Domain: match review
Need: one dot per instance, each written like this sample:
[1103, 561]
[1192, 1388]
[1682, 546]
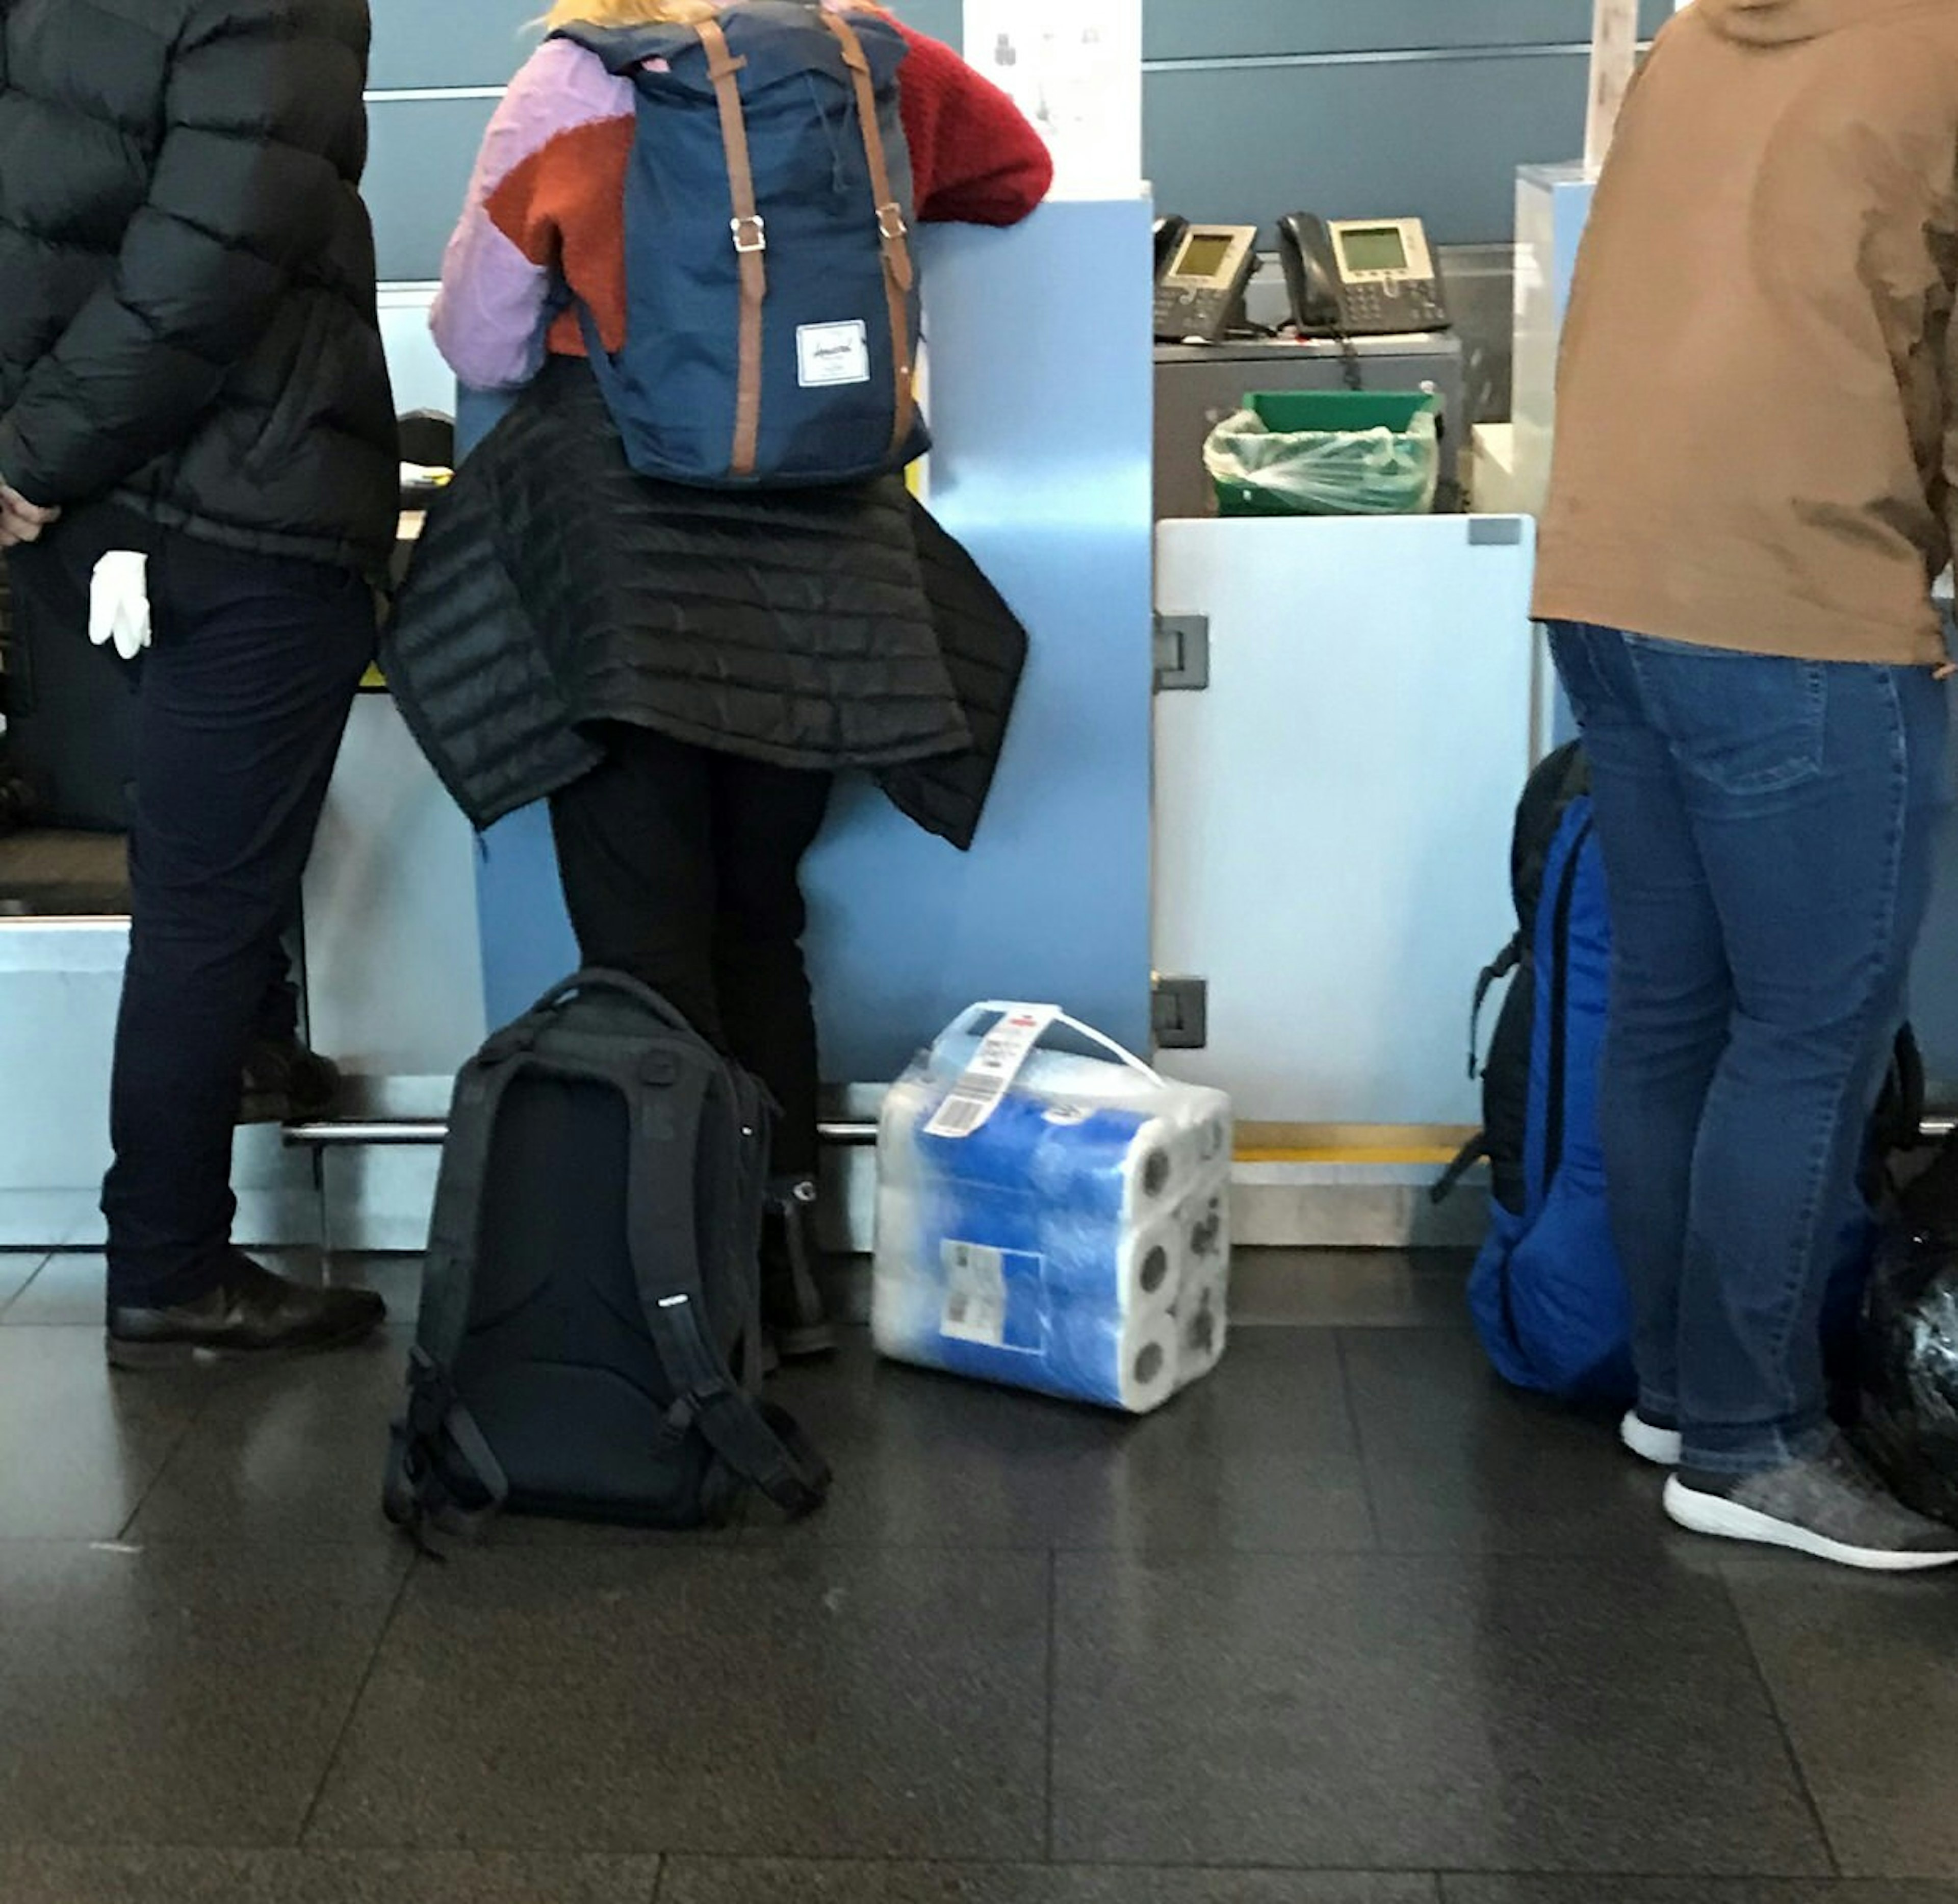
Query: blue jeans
[1768, 828]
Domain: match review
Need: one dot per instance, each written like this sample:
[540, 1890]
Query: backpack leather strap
[751, 242]
[899, 273]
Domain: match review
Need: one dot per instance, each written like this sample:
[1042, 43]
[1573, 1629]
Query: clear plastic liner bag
[1051, 1222]
[1349, 472]
[1907, 1405]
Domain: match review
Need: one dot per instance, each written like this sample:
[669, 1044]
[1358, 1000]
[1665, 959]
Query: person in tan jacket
[1752, 496]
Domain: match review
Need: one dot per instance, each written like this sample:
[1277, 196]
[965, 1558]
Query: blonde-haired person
[684, 672]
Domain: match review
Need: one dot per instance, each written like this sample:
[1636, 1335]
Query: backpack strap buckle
[900, 274]
[751, 234]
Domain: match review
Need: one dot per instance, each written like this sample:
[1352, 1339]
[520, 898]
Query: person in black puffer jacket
[191, 371]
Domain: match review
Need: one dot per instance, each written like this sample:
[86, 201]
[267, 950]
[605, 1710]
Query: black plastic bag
[1907, 1412]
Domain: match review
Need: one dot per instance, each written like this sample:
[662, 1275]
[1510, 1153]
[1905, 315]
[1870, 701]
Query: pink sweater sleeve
[491, 315]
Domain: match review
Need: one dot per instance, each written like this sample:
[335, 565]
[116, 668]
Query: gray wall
[1353, 108]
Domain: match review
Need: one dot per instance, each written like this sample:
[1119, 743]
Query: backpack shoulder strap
[449, 1282]
[760, 1444]
[899, 273]
[435, 1443]
[751, 242]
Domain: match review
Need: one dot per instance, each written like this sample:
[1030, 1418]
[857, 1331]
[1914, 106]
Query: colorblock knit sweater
[547, 200]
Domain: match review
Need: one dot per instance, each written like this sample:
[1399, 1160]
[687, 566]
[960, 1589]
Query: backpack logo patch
[833, 354]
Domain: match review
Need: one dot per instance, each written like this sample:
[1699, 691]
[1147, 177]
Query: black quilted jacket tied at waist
[555, 592]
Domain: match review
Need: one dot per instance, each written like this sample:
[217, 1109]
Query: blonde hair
[651, 13]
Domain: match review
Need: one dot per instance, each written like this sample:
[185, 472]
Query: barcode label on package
[996, 1064]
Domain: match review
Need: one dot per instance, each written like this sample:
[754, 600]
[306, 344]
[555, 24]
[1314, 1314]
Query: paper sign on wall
[1614, 58]
[1075, 67]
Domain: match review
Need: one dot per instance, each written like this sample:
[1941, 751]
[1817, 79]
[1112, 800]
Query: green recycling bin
[1328, 452]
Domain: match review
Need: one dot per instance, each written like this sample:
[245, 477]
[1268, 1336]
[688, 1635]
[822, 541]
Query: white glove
[119, 604]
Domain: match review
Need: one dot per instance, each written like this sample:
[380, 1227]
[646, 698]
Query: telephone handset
[1360, 277]
[1171, 233]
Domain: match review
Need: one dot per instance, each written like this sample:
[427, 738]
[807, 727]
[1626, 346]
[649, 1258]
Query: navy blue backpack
[772, 305]
[1547, 1293]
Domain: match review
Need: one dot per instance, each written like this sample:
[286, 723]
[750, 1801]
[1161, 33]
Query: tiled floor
[1348, 1626]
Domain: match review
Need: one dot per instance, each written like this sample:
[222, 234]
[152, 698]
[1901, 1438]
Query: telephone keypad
[1182, 312]
[1379, 308]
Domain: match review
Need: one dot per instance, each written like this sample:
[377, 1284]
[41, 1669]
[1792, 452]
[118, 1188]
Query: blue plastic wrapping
[1072, 1246]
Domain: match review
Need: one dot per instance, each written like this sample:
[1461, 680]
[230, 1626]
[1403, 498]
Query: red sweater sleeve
[976, 159]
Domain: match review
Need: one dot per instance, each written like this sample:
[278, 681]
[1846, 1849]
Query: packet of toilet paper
[1042, 1215]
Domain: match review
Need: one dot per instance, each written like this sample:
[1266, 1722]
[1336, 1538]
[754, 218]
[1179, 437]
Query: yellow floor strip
[1440, 1158]
[1409, 1146]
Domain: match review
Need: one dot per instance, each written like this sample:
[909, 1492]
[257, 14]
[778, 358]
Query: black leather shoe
[252, 1314]
[792, 1309]
[285, 1083]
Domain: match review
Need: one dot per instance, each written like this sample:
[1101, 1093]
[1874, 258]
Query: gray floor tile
[51, 1874]
[66, 1292]
[1368, 1712]
[708, 1881]
[294, 1451]
[1696, 1890]
[17, 1271]
[1260, 1455]
[1350, 1288]
[79, 1447]
[1456, 1460]
[176, 1697]
[1865, 1673]
[746, 1701]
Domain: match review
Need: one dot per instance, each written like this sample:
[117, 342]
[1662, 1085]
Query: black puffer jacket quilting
[187, 299]
[555, 590]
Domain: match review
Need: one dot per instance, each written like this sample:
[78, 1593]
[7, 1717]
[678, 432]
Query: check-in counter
[1310, 825]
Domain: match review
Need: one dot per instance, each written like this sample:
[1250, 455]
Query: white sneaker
[1662, 1446]
[1830, 1507]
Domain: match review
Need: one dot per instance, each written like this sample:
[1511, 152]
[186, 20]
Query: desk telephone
[1346, 277]
[1200, 273]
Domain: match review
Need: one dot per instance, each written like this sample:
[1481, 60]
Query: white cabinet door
[1333, 814]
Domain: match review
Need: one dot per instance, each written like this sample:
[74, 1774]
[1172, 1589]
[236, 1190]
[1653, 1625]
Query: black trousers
[243, 699]
[681, 867]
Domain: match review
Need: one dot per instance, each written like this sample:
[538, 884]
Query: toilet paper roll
[1202, 1325]
[1133, 1364]
[1103, 1266]
[1203, 1221]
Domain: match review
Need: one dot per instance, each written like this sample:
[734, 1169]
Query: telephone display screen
[1380, 248]
[1203, 256]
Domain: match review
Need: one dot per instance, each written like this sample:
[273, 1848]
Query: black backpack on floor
[593, 1278]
